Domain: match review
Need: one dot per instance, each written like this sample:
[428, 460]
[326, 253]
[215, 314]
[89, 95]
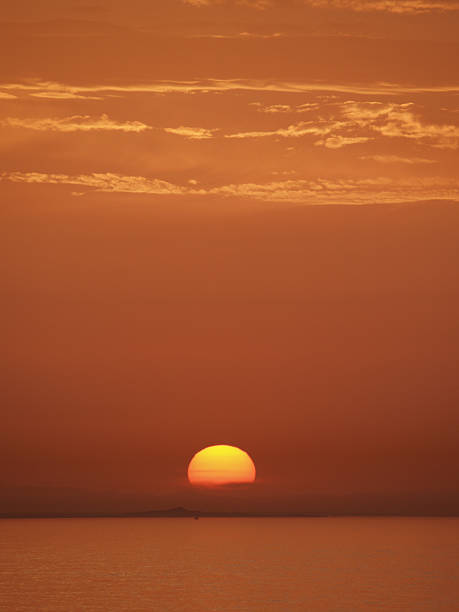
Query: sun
[219, 465]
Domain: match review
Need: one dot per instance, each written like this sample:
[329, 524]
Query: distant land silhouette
[178, 512]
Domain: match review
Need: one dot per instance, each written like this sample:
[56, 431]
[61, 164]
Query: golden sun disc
[221, 464]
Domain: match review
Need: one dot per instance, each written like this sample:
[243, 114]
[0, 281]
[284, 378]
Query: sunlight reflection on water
[227, 565]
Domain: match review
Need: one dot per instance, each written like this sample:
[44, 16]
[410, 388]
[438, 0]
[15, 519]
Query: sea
[229, 564]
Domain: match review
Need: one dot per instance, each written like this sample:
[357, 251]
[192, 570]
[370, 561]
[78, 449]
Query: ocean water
[237, 565]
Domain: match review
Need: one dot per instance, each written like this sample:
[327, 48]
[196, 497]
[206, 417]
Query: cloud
[399, 121]
[257, 4]
[347, 123]
[322, 127]
[391, 6]
[309, 192]
[62, 90]
[192, 133]
[284, 108]
[296, 130]
[75, 123]
[273, 109]
[105, 182]
[86, 123]
[360, 122]
[337, 142]
[199, 3]
[395, 159]
[240, 35]
[304, 108]
[345, 191]
[7, 96]
[62, 95]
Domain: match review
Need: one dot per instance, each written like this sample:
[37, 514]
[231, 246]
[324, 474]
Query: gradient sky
[230, 222]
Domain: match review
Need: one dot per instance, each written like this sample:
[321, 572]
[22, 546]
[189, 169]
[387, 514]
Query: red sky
[230, 222]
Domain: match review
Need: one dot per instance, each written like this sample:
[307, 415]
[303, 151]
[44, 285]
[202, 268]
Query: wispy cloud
[6, 96]
[321, 127]
[296, 130]
[199, 3]
[353, 122]
[75, 123]
[275, 108]
[87, 123]
[105, 182]
[193, 133]
[240, 35]
[96, 91]
[257, 4]
[309, 192]
[284, 108]
[62, 95]
[391, 6]
[399, 121]
[339, 124]
[396, 159]
[338, 142]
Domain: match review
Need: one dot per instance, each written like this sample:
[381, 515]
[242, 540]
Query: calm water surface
[238, 565]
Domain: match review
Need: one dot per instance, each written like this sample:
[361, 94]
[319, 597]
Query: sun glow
[219, 465]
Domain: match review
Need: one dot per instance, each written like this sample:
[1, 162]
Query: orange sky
[185, 265]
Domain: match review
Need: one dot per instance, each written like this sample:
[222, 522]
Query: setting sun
[221, 464]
